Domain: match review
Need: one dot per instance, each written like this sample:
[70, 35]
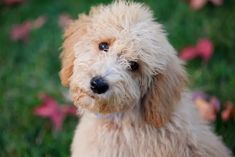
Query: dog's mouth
[79, 94]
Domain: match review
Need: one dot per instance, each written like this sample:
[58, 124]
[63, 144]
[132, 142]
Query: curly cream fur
[146, 113]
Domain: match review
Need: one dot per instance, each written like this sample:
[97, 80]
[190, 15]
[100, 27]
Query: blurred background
[36, 118]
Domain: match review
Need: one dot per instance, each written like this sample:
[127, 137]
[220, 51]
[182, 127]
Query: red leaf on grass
[52, 110]
[204, 49]
[13, 2]
[206, 105]
[64, 20]
[214, 101]
[39, 22]
[228, 112]
[198, 4]
[21, 32]
[188, 53]
[217, 2]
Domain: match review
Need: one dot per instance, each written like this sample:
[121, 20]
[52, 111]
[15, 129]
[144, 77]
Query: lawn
[31, 67]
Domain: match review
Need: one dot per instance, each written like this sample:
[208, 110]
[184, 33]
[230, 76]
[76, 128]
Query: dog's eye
[133, 66]
[104, 46]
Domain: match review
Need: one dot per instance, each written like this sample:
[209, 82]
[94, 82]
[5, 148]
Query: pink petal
[21, 32]
[197, 4]
[205, 49]
[188, 53]
[64, 20]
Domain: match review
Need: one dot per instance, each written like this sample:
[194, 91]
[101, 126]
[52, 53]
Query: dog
[130, 88]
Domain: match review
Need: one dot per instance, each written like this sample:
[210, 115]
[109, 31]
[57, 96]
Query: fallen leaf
[52, 110]
[21, 32]
[64, 20]
[13, 2]
[198, 4]
[206, 110]
[204, 49]
[188, 53]
[39, 22]
[206, 105]
[217, 2]
[199, 94]
[215, 103]
[228, 112]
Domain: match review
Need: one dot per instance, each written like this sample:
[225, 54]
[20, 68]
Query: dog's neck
[116, 119]
[115, 115]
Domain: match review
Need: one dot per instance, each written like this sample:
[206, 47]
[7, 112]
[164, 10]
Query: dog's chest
[111, 140]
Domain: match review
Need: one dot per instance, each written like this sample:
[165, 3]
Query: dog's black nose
[99, 85]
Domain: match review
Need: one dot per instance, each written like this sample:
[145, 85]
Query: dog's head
[117, 58]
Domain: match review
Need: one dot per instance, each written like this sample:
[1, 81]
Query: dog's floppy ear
[72, 34]
[164, 92]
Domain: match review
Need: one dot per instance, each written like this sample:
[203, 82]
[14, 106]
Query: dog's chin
[92, 105]
[96, 105]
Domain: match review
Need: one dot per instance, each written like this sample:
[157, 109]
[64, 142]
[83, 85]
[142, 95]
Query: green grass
[27, 69]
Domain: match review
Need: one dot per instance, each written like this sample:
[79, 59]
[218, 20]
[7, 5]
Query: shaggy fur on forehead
[144, 113]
